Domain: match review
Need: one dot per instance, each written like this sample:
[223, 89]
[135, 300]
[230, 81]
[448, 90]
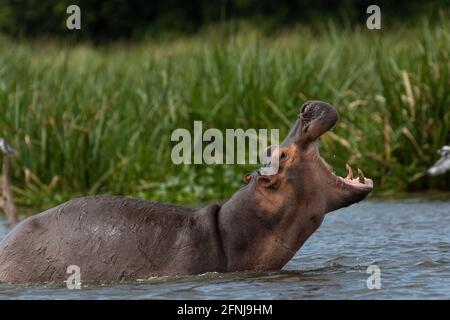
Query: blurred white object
[443, 164]
[6, 148]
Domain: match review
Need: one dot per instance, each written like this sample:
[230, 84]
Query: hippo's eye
[283, 155]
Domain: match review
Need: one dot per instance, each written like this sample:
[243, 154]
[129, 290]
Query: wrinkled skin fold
[261, 227]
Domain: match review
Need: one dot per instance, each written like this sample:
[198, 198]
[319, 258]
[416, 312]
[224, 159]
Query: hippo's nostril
[305, 108]
[308, 114]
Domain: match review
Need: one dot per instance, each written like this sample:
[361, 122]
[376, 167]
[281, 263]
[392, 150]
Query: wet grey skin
[443, 164]
[261, 227]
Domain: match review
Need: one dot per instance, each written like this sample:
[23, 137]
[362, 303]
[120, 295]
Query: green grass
[91, 120]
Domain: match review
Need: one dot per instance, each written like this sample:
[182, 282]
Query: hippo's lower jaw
[350, 188]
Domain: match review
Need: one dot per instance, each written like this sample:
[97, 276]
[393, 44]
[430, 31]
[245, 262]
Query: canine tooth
[349, 172]
[360, 176]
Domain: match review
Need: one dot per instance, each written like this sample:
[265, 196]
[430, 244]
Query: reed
[90, 120]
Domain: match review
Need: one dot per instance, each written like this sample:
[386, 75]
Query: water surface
[409, 240]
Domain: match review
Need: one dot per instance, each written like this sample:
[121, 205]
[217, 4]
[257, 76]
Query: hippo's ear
[248, 177]
[269, 182]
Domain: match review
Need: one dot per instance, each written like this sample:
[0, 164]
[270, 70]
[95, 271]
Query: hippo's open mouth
[351, 182]
[316, 118]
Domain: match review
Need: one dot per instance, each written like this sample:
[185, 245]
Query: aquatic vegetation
[90, 120]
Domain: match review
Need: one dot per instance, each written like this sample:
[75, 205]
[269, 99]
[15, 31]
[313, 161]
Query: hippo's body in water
[113, 238]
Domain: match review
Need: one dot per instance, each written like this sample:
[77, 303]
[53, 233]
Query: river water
[408, 240]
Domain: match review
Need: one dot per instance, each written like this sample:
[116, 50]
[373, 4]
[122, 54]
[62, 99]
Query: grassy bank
[88, 120]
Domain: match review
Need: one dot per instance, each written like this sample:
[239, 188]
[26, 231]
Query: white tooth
[349, 172]
[360, 176]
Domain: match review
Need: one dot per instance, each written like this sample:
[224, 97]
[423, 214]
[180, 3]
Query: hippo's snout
[318, 111]
[315, 118]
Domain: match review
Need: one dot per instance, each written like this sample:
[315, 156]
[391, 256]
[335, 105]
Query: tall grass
[90, 120]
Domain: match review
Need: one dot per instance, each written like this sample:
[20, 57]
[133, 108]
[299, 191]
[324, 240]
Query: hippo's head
[266, 222]
[296, 179]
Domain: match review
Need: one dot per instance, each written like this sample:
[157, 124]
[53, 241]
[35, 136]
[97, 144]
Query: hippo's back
[108, 237]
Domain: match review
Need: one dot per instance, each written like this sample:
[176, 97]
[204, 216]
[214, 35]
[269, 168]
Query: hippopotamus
[261, 227]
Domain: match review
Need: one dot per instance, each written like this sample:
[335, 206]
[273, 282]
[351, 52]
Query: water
[408, 239]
